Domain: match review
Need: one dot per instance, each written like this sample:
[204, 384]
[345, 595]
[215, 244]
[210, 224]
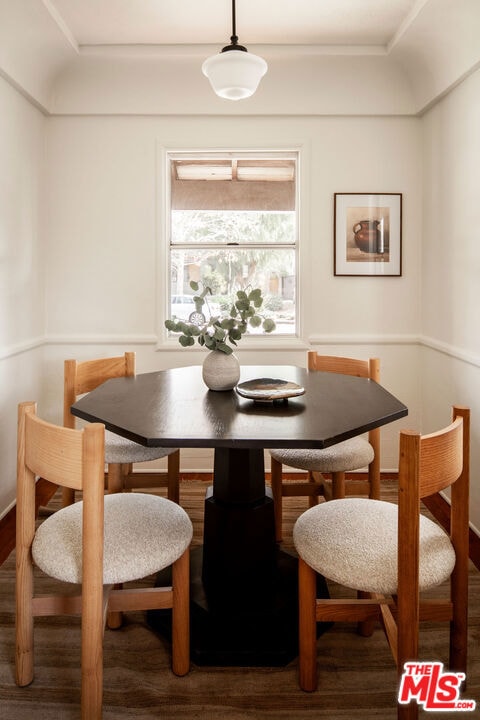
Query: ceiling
[279, 22]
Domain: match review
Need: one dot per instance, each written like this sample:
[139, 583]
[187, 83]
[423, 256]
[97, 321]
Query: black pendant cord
[234, 38]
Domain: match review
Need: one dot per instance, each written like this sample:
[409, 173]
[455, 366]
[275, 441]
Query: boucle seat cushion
[120, 450]
[353, 541]
[348, 455]
[143, 534]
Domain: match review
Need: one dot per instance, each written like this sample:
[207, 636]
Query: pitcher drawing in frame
[368, 234]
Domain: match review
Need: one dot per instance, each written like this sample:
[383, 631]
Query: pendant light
[234, 73]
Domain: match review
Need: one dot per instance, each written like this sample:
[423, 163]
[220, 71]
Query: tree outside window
[233, 224]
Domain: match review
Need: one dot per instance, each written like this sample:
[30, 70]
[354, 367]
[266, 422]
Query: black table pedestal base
[261, 632]
[244, 588]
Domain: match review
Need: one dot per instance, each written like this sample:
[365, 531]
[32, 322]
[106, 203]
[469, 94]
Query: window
[233, 224]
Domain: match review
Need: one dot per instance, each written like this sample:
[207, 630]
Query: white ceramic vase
[220, 371]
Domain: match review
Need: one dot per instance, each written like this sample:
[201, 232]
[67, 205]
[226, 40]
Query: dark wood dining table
[243, 586]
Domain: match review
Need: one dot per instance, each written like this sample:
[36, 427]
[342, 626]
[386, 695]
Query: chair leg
[276, 483]
[181, 615]
[115, 478]
[307, 640]
[374, 467]
[459, 623]
[458, 640]
[127, 471]
[92, 657]
[173, 480]
[68, 497]
[24, 620]
[115, 618]
[338, 485]
[116, 474]
[312, 478]
[365, 628]
[408, 620]
[407, 712]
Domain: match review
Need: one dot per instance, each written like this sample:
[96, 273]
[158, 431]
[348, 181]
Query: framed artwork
[367, 234]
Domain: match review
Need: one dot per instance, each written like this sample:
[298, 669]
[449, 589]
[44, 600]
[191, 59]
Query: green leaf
[268, 325]
[227, 327]
[186, 341]
[199, 303]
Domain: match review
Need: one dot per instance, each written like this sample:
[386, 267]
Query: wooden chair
[358, 543]
[96, 543]
[352, 454]
[120, 453]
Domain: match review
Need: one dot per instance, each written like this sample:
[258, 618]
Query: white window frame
[165, 341]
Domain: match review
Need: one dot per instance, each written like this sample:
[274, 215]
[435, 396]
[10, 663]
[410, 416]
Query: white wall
[451, 264]
[21, 270]
[166, 81]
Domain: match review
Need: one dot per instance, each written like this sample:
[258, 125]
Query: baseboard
[44, 491]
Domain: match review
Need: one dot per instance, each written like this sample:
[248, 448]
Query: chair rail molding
[401, 339]
[280, 343]
[451, 350]
[380, 339]
[12, 350]
[100, 339]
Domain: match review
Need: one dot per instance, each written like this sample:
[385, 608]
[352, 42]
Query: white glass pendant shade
[234, 74]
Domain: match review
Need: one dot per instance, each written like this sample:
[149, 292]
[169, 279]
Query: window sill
[258, 344]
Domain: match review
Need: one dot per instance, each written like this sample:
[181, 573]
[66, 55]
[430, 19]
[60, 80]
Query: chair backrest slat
[439, 461]
[53, 455]
[340, 365]
[441, 458]
[63, 456]
[84, 376]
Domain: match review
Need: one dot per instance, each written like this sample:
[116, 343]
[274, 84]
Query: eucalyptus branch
[221, 332]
